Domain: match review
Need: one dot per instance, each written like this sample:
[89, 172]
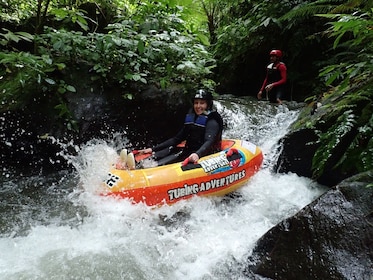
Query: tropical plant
[151, 45]
[248, 30]
[351, 115]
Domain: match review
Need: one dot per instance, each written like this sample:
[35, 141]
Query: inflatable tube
[214, 175]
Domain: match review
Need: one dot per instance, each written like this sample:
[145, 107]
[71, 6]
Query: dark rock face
[155, 114]
[296, 155]
[327, 142]
[297, 152]
[332, 238]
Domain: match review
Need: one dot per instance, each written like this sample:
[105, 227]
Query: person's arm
[168, 143]
[264, 83]
[259, 95]
[212, 131]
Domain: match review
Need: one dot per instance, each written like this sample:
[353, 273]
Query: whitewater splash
[85, 236]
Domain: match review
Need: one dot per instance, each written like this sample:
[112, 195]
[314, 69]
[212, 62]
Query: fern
[307, 10]
[359, 154]
[332, 140]
[346, 126]
[345, 130]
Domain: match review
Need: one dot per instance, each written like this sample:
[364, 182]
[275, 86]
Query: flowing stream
[55, 227]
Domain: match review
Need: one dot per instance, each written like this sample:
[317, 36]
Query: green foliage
[360, 151]
[21, 74]
[247, 28]
[329, 142]
[125, 55]
[16, 10]
[16, 37]
[307, 9]
[26, 77]
[350, 116]
[72, 16]
[356, 49]
[228, 48]
[151, 54]
[153, 45]
[345, 131]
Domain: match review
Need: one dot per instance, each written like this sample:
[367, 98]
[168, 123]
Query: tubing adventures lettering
[214, 163]
[195, 189]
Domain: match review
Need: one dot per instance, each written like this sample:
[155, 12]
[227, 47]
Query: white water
[202, 238]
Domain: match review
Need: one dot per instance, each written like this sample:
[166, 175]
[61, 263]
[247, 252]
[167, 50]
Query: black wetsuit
[276, 75]
[202, 134]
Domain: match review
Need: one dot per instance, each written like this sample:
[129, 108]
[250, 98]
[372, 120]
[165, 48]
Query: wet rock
[177, 220]
[327, 142]
[297, 152]
[29, 137]
[332, 238]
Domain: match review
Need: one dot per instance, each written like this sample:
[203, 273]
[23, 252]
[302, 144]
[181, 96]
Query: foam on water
[189, 240]
[202, 238]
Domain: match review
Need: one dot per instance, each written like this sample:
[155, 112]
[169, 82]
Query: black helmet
[205, 95]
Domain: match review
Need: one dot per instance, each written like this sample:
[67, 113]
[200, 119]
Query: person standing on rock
[275, 80]
[202, 132]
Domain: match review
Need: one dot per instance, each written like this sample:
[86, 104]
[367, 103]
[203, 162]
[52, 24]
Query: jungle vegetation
[218, 44]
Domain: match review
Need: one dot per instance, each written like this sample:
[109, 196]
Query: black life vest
[195, 129]
[274, 74]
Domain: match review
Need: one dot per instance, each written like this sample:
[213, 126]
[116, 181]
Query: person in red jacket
[274, 82]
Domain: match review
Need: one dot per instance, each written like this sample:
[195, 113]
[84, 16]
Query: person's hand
[193, 158]
[269, 87]
[259, 95]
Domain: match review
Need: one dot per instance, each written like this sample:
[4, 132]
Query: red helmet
[277, 53]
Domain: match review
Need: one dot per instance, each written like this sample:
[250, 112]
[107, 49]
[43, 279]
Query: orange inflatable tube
[214, 175]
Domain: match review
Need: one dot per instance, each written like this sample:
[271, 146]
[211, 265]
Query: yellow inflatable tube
[213, 175]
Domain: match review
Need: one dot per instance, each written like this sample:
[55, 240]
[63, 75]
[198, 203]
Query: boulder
[297, 150]
[320, 129]
[331, 238]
